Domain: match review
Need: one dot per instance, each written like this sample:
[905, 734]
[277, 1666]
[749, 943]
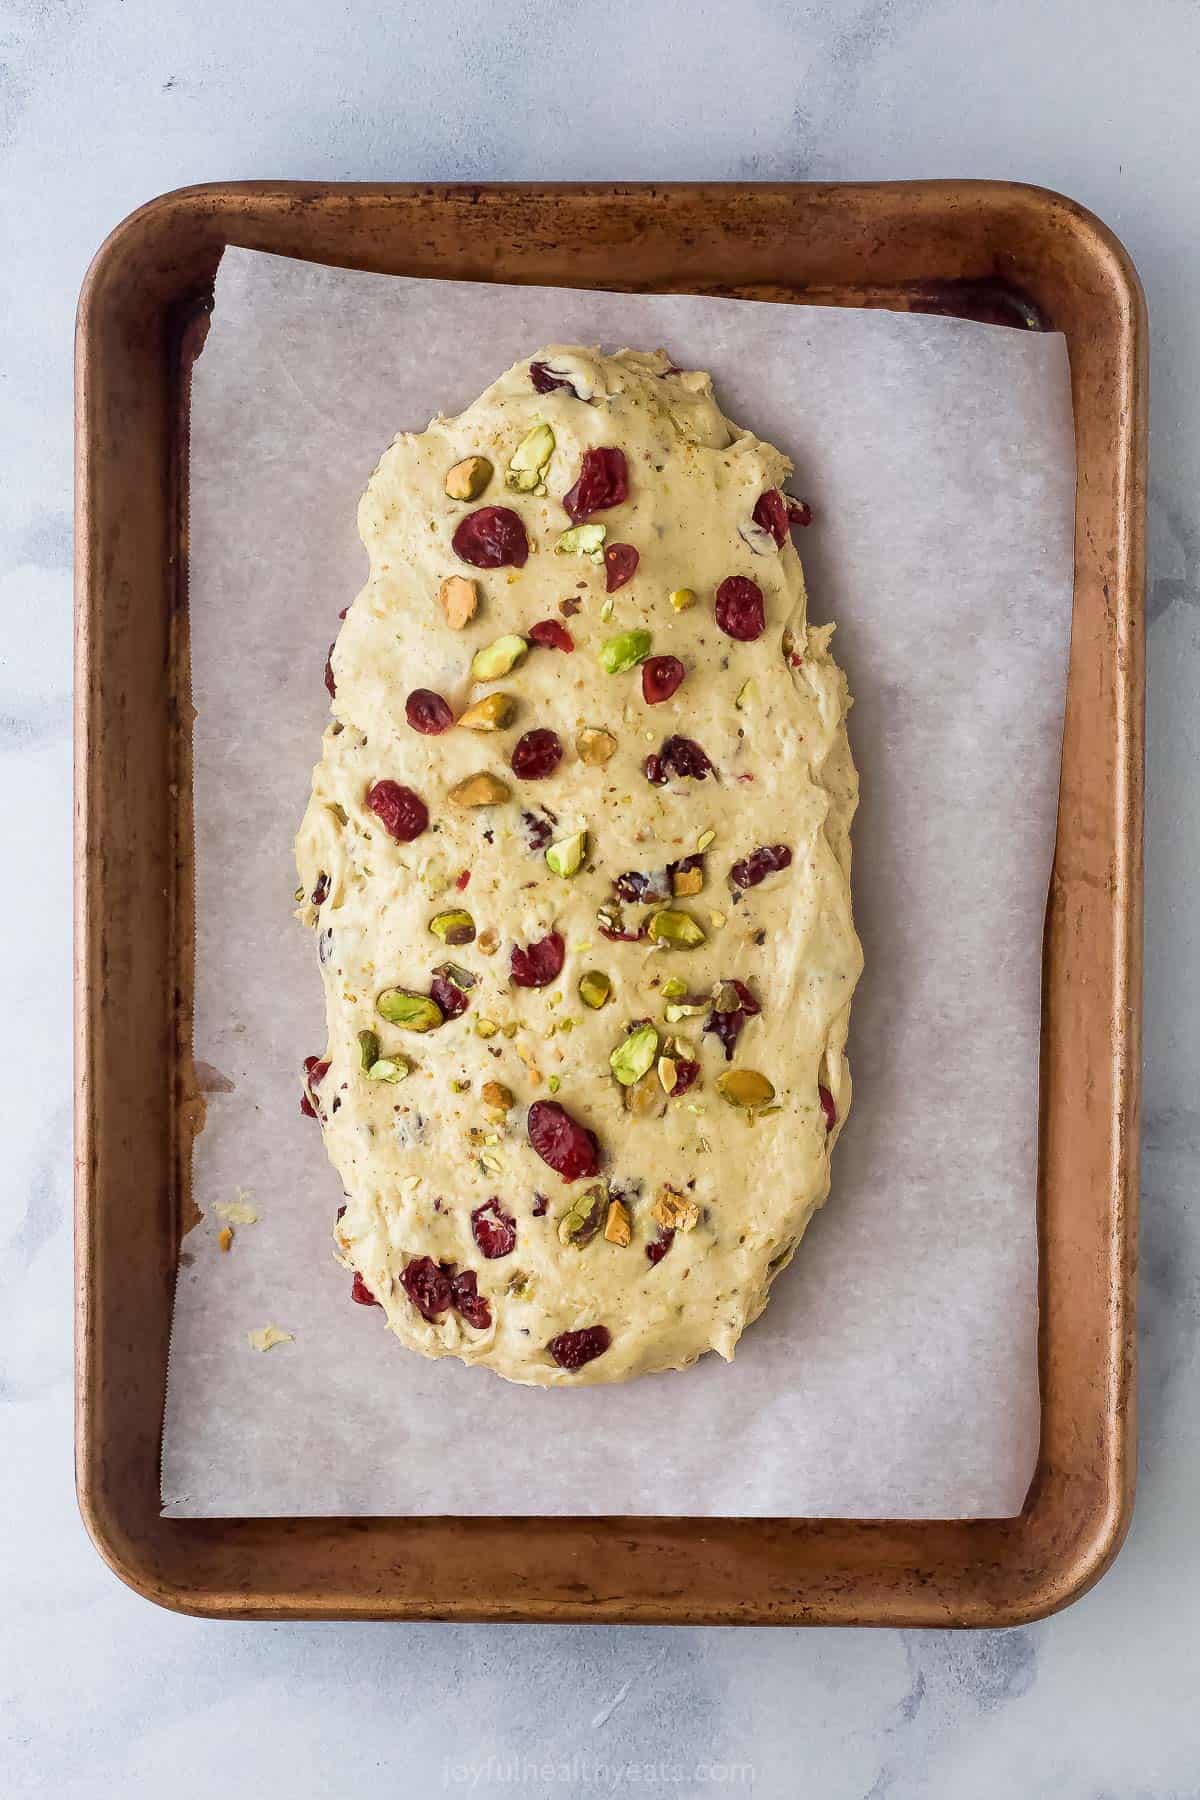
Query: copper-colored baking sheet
[1012, 254]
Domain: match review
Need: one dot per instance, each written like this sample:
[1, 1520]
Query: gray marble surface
[106, 102]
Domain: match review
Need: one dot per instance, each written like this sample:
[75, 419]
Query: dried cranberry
[538, 829]
[320, 893]
[603, 482]
[771, 513]
[462, 878]
[661, 676]
[679, 756]
[612, 927]
[361, 1292]
[307, 1109]
[620, 566]
[316, 1068]
[539, 964]
[739, 609]
[468, 1301]
[536, 754]
[767, 860]
[428, 1287]
[636, 885]
[571, 1349]
[492, 538]
[726, 1027]
[449, 997]
[494, 1231]
[403, 814]
[654, 772]
[657, 1249]
[427, 712]
[568, 1147]
[330, 683]
[551, 635]
[545, 380]
[541, 1205]
[799, 512]
[686, 1075]
[828, 1107]
[341, 1212]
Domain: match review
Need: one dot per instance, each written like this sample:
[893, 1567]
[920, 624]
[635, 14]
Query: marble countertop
[104, 103]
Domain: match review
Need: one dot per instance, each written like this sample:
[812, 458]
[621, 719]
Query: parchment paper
[895, 1369]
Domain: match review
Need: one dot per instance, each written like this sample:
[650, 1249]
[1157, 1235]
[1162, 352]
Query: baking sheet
[894, 1373]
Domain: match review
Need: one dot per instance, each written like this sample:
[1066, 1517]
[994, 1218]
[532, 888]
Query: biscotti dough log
[584, 927]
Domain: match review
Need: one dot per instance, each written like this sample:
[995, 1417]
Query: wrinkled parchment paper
[894, 1372]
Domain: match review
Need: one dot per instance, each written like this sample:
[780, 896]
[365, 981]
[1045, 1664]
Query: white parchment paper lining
[894, 1372]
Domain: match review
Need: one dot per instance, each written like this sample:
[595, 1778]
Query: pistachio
[645, 1099]
[458, 598]
[492, 713]
[582, 540]
[368, 1048]
[489, 943]
[565, 858]
[666, 1074]
[679, 929]
[595, 989]
[483, 789]
[389, 1068]
[486, 1028]
[415, 1012]
[617, 1226]
[745, 695]
[462, 978]
[494, 1093]
[453, 927]
[745, 1088]
[496, 659]
[579, 1225]
[682, 1009]
[674, 1211]
[625, 650]
[686, 881]
[468, 478]
[530, 460]
[682, 598]
[727, 999]
[675, 988]
[702, 842]
[634, 1056]
[593, 745]
[554, 1084]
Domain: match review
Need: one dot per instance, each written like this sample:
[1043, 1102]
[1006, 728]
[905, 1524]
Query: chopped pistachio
[745, 694]
[485, 1028]
[634, 1056]
[491, 1165]
[298, 895]
[554, 1084]
[494, 1093]
[666, 1074]
[745, 1088]
[674, 1211]
[702, 842]
[607, 608]
[685, 882]
[727, 999]
[645, 1099]
[462, 978]
[460, 1087]
[625, 650]
[414, 1012]
[389, 1068]
[617, 1227]
[677, 928]
[565, 858]
[530, 460]
[496, 659]
[716, 919]
[682, 598]
[580, 1223]
[458, 598]
[593, 745]
[595, 989]
[582, 540]
[509, 1028]
[681, 1009]
[488, 942]
[492, 713]
[455, 926]
[368, 1048]
[483, 789]
[468, 478]
[675, 988]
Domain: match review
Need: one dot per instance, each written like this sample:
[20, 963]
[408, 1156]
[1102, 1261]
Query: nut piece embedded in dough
[582, 540]
[468, 478]
[530, 460]
[492, 713]
[595, 989]
[676, 928]
[496, 659]
[685, 882]
[368, 1048]
[483, 789]
[579, 1225]
[494, 1093]
[458, 598]
[617, 1227]
[593, 745]
[566, 857]
[453, 927]
[645, 1099]
[745, 1088]
[389, 1068]
[634, 1056]
[622, 652]
[683, 598]
[412, 1012]
[674, 1211]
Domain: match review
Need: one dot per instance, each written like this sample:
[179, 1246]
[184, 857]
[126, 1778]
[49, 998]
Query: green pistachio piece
[415, 1012]
[674, 989]
[625, 650]
[462, 978]
[453, 927]
[530, 460]
[635, 1056]
[727, 999]
[582, 540]
[496, 659]
[468, 479]
[679, 1009]
[683, 598]
[580, 1224]
[677, 928]
[368, 1048]
[595, 989]
[566, 857]
[745, 1088]
[389, 1068]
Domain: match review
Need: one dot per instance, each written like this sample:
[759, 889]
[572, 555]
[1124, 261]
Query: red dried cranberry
[551, 635]
[568, 1147]
[571, 1349]
[828, 1107]
[449, 997]
[603, 482]
[657, 1249]
[316, 1068]
[771, 513]
[461, 880]
[541, 1205]
[767, 860]
[320, 893]
[636, 885]
[799, 512]
[661, 676]
[494, 1231]
[427, 712]
[361, 1292]
[654, 772]
[545, 380]
[428, 1287]
[612, 927]
[307, 1109]
[536, 754]
[468, 1302]
[341, 1212]
[539, 964]
[330, 683]
[403, 814]
[620, 566]
[492, 538]
[686, 1075]
[538, 829]
[739, 609]
[678, 756]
